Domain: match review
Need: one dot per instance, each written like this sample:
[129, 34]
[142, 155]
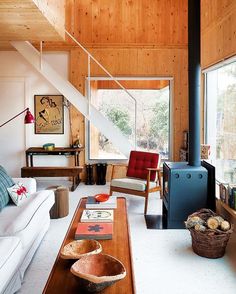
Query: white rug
[163, 259]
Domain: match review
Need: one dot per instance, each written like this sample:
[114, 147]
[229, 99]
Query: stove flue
[185, 184]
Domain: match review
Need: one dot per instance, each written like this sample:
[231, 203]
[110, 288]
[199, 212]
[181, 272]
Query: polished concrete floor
[163, 260]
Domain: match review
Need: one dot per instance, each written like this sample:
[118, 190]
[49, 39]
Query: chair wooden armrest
[153, 169]
[158, 170]
[119, 164]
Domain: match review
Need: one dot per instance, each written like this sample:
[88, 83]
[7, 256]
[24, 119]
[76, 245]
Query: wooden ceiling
[31, 20]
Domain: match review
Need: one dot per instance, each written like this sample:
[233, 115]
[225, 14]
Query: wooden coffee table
[61, 280]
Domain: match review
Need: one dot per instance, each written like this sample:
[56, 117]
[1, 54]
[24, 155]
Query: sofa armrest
[29, 183]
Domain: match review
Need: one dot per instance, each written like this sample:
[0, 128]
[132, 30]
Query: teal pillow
[5, 182]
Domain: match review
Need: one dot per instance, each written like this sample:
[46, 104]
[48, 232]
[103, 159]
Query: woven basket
[210, 243]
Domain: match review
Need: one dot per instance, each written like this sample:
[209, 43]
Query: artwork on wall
[49, 114]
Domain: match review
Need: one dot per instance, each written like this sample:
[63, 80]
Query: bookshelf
[227, 212]
[227, 208]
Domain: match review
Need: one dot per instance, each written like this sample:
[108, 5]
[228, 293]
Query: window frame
[130, 78]
[206, 71]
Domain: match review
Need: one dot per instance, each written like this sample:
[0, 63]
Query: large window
[152, 120]
[221, 120]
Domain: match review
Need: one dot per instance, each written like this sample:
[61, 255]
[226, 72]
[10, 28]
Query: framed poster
[49, 114]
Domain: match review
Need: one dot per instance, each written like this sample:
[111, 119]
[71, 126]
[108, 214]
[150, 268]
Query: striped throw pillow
[5, 182]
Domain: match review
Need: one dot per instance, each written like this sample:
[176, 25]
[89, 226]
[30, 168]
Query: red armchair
[143, 176]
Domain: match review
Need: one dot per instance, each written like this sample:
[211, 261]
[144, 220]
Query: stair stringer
[107, 128]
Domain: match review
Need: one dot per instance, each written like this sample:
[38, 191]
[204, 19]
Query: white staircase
[74, 96]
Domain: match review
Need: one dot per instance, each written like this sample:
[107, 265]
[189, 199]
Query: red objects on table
[102, 197]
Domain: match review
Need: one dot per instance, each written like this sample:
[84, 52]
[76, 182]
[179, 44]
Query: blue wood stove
[184, 191]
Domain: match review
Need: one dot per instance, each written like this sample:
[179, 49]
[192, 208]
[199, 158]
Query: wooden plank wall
[142, 62]
[218, 31]
[128, 22]
[133, 38]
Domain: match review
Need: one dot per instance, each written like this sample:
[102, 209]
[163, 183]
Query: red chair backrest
[139, 161]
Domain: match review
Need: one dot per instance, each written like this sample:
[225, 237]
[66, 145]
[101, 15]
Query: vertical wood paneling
[78, 120]
[94, 131]
[129, 21]
[218, 31]
[134, 38]
[142, 62]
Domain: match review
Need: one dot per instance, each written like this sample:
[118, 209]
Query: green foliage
[159, 124]
[120, 118]
[226, 108]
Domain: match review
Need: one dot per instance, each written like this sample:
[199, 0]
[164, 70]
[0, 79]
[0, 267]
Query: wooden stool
[61, 205]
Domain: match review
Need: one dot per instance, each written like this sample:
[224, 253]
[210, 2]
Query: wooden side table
[61, 205]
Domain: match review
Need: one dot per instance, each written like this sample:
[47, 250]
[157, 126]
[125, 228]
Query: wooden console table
[53, 171]
[31, 152]
[61, 280]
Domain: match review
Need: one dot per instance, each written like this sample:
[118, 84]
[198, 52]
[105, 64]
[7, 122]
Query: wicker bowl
[96, 272]
[210, 243]
[79, 248]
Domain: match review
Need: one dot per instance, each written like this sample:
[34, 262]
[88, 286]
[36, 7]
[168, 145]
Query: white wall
[22, 82]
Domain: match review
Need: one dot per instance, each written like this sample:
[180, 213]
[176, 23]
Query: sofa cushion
[5, 182]
[18, 193]
[133, 184]
[14, 219]
[29, 183]
[10, 258]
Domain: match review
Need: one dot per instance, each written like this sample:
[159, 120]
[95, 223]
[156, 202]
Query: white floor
[163, 259]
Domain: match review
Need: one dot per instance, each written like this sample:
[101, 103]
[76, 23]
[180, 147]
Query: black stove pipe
[194, 81]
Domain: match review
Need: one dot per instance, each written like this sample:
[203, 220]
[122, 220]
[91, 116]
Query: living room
[129, 56]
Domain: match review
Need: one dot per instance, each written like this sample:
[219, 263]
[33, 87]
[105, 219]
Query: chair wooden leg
[110, 191]
[161, 194]
[159, 180]
[146, 204]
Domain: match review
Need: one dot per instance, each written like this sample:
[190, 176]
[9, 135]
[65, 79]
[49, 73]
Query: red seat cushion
[139, 161]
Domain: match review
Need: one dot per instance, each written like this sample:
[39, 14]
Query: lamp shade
[29, 118]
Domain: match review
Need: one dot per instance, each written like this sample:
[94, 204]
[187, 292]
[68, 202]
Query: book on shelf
[111, 203]
[97, 231]
[224, 192]
[232, 196]
[97, 215]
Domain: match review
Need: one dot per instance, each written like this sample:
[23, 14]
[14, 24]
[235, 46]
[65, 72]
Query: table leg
[75, 157]
[31, 160]
[77, 164]
[27, 160]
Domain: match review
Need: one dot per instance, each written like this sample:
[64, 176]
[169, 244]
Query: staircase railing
[90, 56]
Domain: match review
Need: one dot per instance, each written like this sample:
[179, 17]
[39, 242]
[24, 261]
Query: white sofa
[22, 228]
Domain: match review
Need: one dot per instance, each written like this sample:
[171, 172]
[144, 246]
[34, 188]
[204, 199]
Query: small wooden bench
[53, 171]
